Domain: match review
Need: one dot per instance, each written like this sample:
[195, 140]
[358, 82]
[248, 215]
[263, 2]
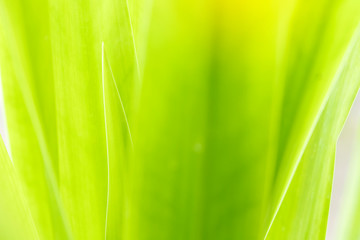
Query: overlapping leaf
[177, 119]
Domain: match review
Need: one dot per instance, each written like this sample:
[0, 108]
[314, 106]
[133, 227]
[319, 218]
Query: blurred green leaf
[307, 199]
[16, 220]
[177, 119]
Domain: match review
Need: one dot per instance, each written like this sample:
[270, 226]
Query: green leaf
[308, 73]
[16, 220]
[178, 119]
[29, 108]
[119, 149]
[304, 210]
[200, 166]
[76, 55]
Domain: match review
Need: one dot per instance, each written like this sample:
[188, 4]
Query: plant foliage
[154, 119]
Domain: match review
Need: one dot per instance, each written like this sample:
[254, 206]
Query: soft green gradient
[174, 119]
